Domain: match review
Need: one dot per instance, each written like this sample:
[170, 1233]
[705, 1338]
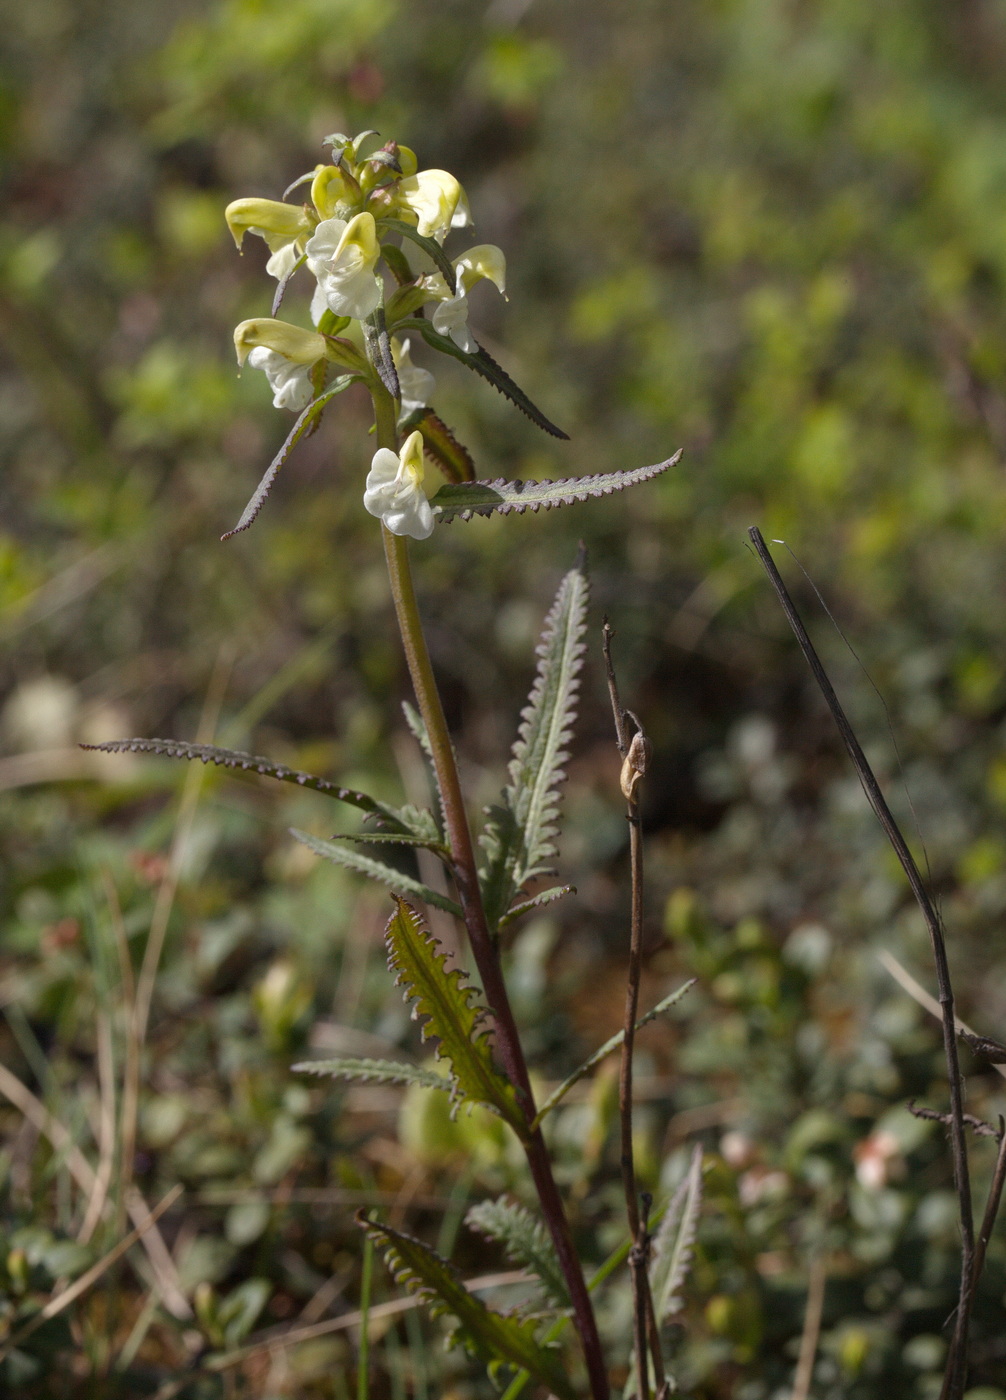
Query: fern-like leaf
[613, 1043]
[526, 1242]
[517, 911]
[376, 870]
[491, 1336]
[374, 1071]
[445, 1006]
[308, 420]
[462, 499]
[519, 837]
[675, 1241]
[400, 819]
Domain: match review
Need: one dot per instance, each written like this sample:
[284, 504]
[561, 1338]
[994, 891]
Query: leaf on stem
[610, 1045]
[674, 1242]
[375, 870]
[519, 837]
[393, 817]
[430, 247]
[488, 1335]
[517, 911]
[462, 500]
[482, 363]
[526, 1242]
[307, 420]
[375, 331]
[451, 456]
[375, 1071]
[446, 1007]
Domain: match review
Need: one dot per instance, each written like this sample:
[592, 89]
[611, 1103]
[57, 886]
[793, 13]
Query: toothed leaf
[463, 499]
[375, 870]
[675, 1241]
[375, 331]
[488, 1335]
[482, 363]
[446, 1007]
[307, 420]
[430, 247]
[400, 818]
[525, 1241]
[519, 837]
[613, 1043]
[374, 1071]
[517, 911]
[417, 728]
[451, 456]
[394, 838]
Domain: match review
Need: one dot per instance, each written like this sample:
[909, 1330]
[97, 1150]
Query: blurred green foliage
[774, 234]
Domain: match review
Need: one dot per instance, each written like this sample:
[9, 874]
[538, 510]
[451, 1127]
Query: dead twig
[954, 1376]
[811, 1329]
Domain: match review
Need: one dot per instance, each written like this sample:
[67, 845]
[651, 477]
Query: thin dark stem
[634, 756]
[953, 1381]
[483, 946]
[991, 1207]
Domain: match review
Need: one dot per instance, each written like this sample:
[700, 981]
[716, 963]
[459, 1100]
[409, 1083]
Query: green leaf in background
[675, 1240]
[375, 870]
[489, 1335]
[308, 420]
[374, 1071]
[462, 500]
[525, 1241]
[519, 837]
[517, 911]
[444, 1006]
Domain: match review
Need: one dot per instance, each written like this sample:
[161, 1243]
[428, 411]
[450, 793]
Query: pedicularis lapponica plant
[368, 247]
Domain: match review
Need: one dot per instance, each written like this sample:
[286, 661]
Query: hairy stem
[470, 896]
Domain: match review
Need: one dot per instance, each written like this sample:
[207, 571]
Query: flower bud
[328, 190]
[300, 346]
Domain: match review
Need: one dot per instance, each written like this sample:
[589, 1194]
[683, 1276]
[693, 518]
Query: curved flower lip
[298, 346]
[275, 222]
[343, 257]
[394, 490]
[450, 316]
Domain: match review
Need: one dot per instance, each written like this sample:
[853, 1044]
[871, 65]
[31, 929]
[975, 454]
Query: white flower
[343, 256]
[450, 317]
[394, 490]
[417, 385]
[290, 383]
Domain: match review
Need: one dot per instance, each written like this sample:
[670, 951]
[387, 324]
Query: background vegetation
[771, 233]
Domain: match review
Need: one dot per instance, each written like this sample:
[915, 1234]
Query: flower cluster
[371, 238]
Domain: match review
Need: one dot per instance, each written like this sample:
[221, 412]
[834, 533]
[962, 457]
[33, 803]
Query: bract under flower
[394, 490]
[343, 256]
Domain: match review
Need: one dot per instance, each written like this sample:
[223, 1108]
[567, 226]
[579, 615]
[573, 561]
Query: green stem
[483, 946]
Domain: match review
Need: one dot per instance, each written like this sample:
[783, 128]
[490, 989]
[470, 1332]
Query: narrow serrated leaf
[376, 870]
[674, 1242]
[613, 1043]
[417, 728]
[446, 1006]
[283, 283]
[451, 456]
[375, 1071]
[517, 911]
[489, 1335]
[463, 499]
[375, 331]
[482, 363]
[519, 837]
[394, 838]
[430, 247]
[252, 763]
[308, 419]
[525, 1241]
